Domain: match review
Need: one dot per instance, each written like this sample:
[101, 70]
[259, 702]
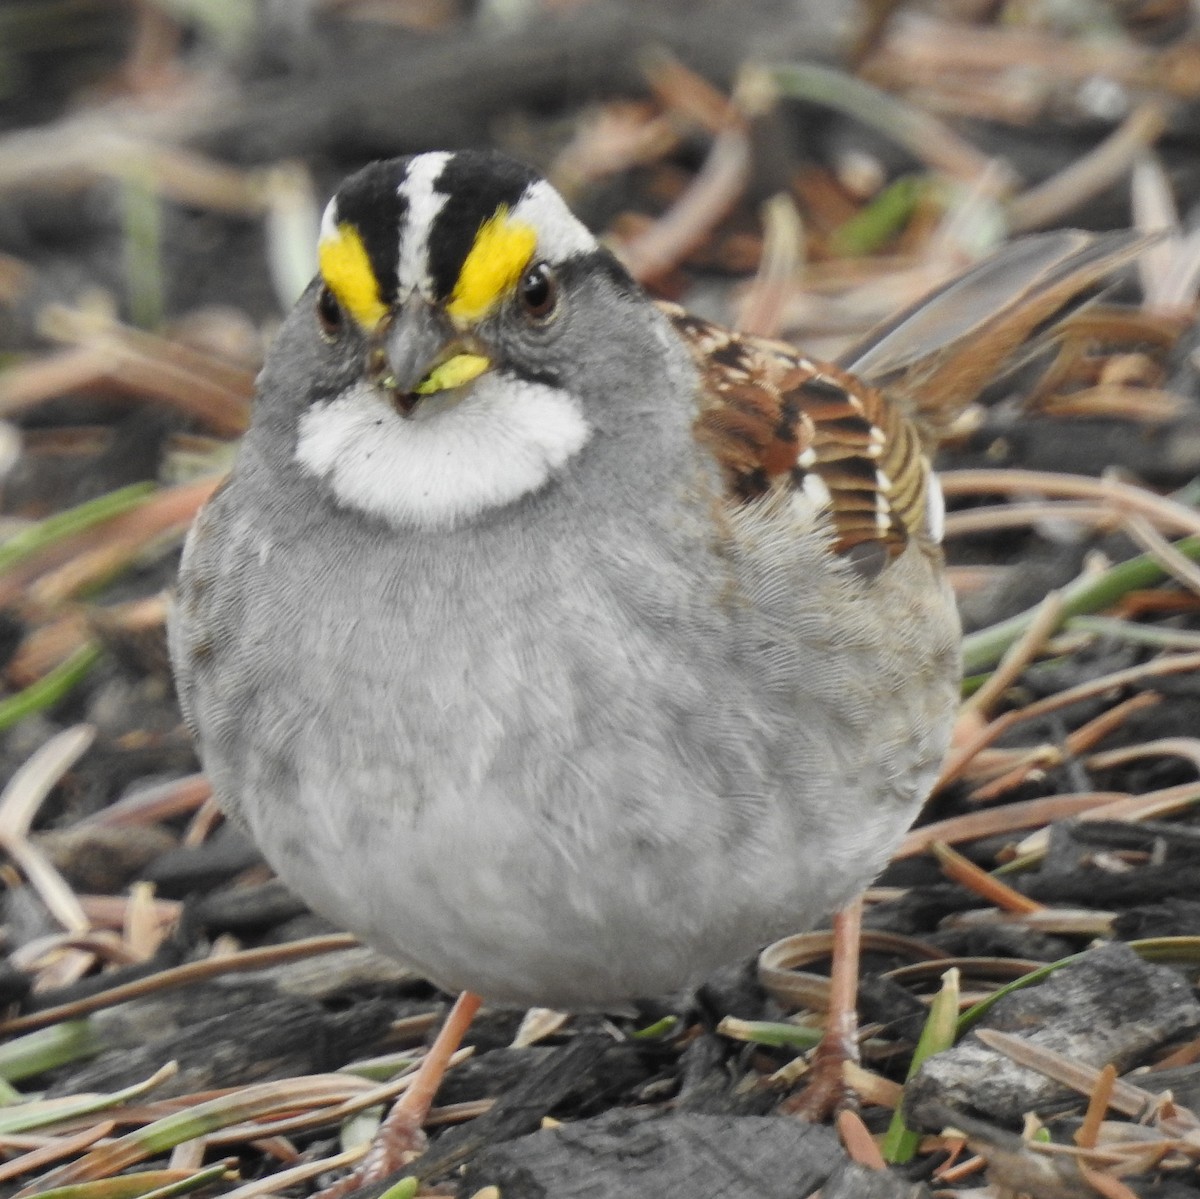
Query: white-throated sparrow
[561, 644]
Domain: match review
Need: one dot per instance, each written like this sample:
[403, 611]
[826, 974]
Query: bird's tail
[937, 356]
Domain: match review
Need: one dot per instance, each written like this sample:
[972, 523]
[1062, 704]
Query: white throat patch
[456, 457]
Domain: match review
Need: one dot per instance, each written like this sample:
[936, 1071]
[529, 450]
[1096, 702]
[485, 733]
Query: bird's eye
[329, 313]
[538, 290]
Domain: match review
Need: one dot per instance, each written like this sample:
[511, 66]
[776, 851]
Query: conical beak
[417, 352]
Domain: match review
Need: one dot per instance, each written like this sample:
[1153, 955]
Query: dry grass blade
[48, 646]
[989, 969]
[47, 1113]
[99, 943]
[187, 1156]
[143, 929]
[537, 1024]
[1163, 552]
[1019, 655]
[203, 1119]
[919, 49]
[53, 889]
[1124, 497]
[205, 819]
[794, 988]
[1177, 293]
[621, 135]
[1036, 761]
[958, 760]
[718, 184]
[1127, 807]
[1092, 172]
[56, 1150]
[873, 1089]
[28, 788]
[168, 511]
[994, 518]
[1082, 739]
[967, 874]
[1105, 1184]
[181, 976]
[1047, 756]
[762, 306]
[458, 1113]
[19, 802]
[127, 361]
[1183, 747]
[145, 1184]
[1166, 271]
[955, 1171]
[180, 797]
[1087, 1134]
[711, 195]
[333, 1114]
[859, 1144]
[684, 93]
[112, 911]
[1010, 818]
[273, 1184]
[1118, 401]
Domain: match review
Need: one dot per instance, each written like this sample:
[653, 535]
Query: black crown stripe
[369, 200]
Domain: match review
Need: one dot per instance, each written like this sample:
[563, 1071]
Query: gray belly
[570, 789]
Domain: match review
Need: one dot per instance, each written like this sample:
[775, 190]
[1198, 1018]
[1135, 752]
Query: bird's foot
[826, 1091]
[400, 1138]
[397, 1143]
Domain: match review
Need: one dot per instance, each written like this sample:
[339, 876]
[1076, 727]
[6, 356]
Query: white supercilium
[560, 234]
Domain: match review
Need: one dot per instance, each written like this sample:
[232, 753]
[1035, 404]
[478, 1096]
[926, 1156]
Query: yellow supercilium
[346, 269]
[501, 251]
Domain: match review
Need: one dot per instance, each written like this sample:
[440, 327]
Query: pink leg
[400, 1136]
[826, 1090]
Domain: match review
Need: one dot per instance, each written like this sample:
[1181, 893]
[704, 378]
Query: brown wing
[774, 419]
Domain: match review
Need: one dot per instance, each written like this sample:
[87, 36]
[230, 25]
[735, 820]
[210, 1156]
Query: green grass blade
[1082, 598]
[939, 1032]
[40, 1113]
[37, 1052]
[47, 691]
[61, 525]
[773, 1033]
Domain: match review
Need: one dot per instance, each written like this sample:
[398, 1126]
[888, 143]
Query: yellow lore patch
[501, 251]
[346, 269]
